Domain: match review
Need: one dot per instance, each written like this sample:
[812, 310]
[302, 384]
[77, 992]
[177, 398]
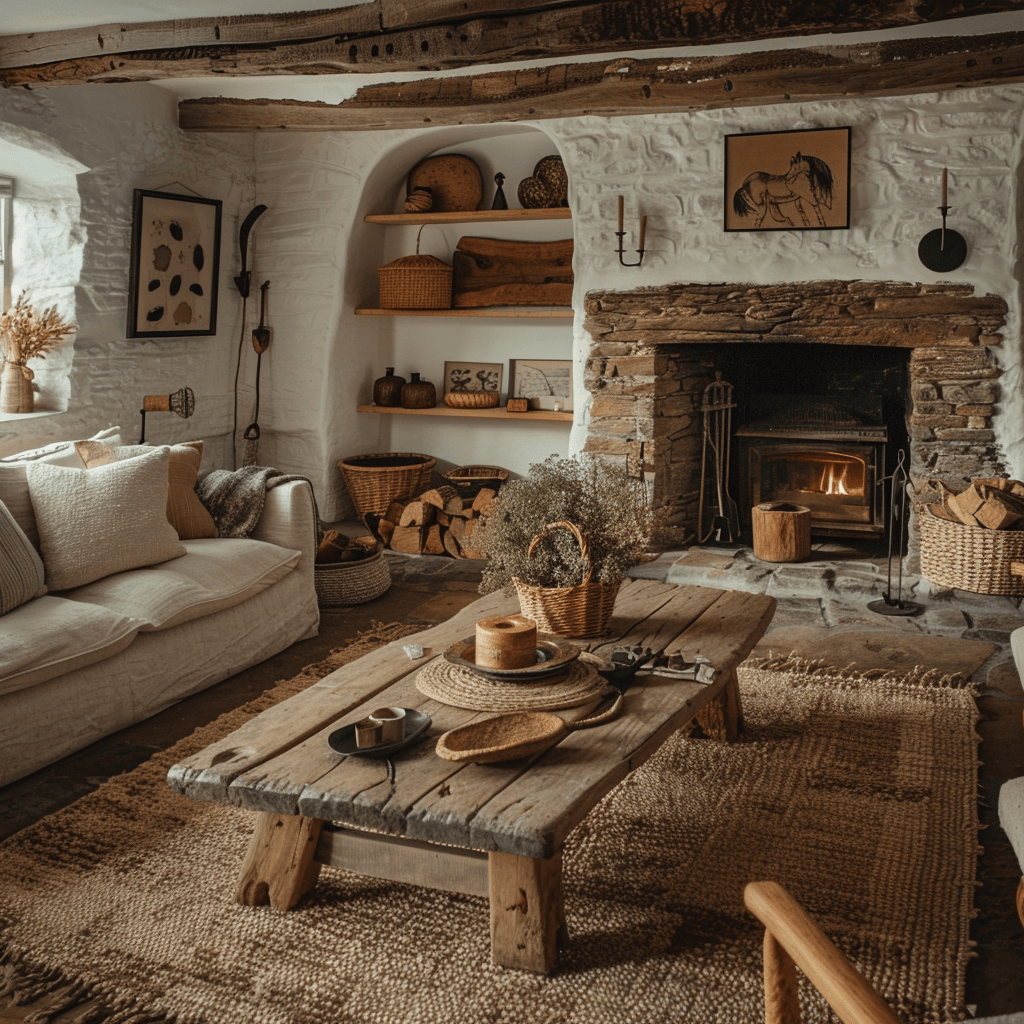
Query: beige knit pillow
[94, 522]
[21, 571]
[185, 512]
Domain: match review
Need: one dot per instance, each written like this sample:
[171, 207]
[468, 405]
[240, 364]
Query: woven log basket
[582, 610]
[374, 481]
[970, 557]
[347, 583]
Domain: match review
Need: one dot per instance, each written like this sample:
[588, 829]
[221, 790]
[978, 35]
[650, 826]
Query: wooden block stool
[782, 531]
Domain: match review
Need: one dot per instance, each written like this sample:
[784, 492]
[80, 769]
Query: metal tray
[554, 654]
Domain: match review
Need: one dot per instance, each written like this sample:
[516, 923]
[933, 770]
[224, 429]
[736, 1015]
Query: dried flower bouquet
[29, 334]
[610, 509]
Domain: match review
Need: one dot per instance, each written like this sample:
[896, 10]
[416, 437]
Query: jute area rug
[857, 794]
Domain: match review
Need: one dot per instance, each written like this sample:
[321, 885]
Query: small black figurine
[500, 203]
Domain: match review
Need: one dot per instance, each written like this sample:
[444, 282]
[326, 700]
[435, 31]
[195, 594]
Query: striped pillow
[21, 568]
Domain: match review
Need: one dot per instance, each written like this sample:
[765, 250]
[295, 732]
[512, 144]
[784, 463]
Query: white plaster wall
[321, 258]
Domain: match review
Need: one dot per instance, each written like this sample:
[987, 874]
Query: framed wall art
[463, 376]
[788, 181]
[545, 383]
[175, 259]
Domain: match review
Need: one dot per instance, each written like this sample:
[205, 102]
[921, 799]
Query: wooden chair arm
[791, 937]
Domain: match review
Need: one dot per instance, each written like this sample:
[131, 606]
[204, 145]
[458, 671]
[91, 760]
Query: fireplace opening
[819, 426]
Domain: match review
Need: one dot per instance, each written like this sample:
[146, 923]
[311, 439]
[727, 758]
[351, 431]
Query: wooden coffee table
[501, 827]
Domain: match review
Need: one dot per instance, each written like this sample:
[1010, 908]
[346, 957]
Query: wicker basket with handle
[582, 610]
[969, 557]
[415, 282]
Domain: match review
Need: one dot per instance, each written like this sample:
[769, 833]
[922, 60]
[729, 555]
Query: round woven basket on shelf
[344, 583]
[970, 557]
[468, 480]
[471, 399]
[374, 481]
[582, 610]
[415, 282]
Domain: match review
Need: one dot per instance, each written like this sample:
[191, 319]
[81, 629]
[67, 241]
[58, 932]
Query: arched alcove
[48, 241]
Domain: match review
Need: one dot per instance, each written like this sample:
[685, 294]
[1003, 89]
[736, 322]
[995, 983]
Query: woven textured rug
[856, 793]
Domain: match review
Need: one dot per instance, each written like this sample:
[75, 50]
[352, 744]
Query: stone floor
[822, 614]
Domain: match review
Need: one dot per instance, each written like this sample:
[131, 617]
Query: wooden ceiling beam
[624, 87]
[389, 36]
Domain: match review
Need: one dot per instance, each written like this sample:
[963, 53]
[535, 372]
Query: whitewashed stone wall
[321, 258]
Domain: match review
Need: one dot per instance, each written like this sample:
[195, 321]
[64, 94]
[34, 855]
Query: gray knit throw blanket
[235, 498]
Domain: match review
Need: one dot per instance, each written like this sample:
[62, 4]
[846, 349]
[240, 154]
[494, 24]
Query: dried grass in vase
[29, 334]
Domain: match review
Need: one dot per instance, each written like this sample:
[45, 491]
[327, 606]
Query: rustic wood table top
[280, 761]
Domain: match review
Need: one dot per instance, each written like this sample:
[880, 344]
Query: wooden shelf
[490, 414]
[560, 313]
[469, 216]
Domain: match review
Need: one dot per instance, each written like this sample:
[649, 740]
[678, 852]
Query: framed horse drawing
[788, 181]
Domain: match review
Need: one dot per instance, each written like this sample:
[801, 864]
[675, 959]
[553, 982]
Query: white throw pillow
[94, 522]
[14, 484]
[21, 570]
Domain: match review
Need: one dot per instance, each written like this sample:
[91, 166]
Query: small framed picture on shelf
[544, 383]
[461, 376]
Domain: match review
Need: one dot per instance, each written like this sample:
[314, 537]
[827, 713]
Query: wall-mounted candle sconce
[182, 402]
[943, 249]
[622, 234]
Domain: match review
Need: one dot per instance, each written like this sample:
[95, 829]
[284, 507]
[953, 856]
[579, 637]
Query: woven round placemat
[464, 688]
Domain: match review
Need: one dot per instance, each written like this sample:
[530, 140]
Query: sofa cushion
[216, 573]
[21, 569]
[185, 512]
[14, 482]
[94, 522]
[50, 636]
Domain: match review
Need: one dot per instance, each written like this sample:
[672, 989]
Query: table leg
[722, 718]
[279, 868]
[527, 914]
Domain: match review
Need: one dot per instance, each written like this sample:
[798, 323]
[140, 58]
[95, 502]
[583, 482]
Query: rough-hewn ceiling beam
[430, 35]
[636, 87]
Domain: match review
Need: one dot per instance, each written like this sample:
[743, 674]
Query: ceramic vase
[387, 390]
[418, 394]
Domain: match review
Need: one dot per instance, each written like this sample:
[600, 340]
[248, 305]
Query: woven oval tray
[464, 688]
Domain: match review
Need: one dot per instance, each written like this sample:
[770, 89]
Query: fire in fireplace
[820, 455]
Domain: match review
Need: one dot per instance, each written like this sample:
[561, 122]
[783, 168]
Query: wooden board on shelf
[468, 216]
[533, 416]
[500, 272]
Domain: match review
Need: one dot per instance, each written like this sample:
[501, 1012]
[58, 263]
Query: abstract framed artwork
[463, 376]
[175, 260]
[545, 383]
[788, 181]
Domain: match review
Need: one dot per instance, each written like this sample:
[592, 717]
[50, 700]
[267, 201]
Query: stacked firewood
[992, 503]
[437, 522]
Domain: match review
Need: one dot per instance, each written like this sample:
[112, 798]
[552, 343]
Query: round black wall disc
[942, 254]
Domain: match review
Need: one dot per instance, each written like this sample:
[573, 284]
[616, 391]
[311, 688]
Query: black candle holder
[640, 252]
[943, 249]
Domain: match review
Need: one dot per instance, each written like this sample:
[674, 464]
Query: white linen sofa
[79, 663]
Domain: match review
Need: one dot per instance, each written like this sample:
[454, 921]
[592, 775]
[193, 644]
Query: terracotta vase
[16, 393]
[418, 394]
[387, 390]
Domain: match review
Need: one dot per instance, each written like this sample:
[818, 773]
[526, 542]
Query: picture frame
[796, 180]
[544, 383]
[175, 263]
[463, 375]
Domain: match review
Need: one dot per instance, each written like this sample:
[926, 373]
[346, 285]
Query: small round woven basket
[970, 557]
[374, 481]
[415, 282]
[346, 583]
[582, 610]
[471, 399]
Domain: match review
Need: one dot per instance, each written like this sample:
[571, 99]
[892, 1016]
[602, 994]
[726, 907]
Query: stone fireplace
[832, 379]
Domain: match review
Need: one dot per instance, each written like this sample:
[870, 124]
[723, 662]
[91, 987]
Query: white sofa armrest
[289, 520]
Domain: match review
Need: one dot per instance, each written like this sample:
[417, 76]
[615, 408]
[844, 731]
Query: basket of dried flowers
[26, 334]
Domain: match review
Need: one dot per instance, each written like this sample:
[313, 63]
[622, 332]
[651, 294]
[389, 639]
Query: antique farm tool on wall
[260, 342]
[243, 280]
[898, 501]
[717, 407]
[943, 249]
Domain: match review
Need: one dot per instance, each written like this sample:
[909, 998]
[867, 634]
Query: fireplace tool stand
[897, 535]
[717, 407]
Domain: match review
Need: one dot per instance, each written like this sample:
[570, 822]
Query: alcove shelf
[490, 414]
[469, 216]
[502, 311]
